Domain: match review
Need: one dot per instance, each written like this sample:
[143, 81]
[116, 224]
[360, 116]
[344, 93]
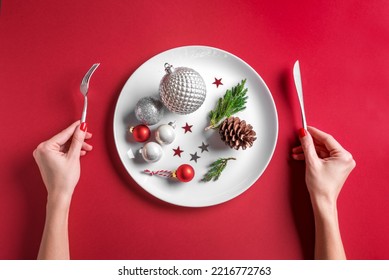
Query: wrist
[59, 201]
[324, 205]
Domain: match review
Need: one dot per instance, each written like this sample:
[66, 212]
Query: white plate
[240, 174]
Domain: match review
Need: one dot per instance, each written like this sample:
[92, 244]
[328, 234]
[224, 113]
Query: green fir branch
[216, 168]
[233, 101]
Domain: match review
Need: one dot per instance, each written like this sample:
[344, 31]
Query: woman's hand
[58, 160]
[328, 164]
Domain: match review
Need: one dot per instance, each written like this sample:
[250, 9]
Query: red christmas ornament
[184, 173]
[141, 133]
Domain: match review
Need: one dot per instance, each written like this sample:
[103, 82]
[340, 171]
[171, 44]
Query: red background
[47, 46]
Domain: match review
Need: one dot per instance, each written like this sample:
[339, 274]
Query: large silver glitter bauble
[182, 89]
[151, 152]
[149, 110]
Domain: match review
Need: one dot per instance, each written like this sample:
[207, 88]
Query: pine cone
[237, 133]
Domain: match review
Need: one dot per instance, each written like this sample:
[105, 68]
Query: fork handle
[83, 116]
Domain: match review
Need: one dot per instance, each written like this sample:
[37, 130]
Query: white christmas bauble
[165, 134]
[151, 152]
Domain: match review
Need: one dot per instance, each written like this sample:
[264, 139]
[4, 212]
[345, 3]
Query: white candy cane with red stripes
[163, 173]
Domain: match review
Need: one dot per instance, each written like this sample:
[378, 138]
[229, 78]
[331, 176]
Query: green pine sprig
[233, 101]
[216, 168]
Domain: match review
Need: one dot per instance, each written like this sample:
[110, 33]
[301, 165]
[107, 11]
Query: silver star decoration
[204, 147]
[194, 157]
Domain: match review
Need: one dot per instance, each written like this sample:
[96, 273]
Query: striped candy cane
[163, 173]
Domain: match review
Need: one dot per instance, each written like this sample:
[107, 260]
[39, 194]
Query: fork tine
[85, 81]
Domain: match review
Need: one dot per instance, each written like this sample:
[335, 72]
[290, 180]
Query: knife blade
[299, 88]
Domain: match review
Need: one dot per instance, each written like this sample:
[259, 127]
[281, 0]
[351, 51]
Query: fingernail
[83, 126]
[302, 132]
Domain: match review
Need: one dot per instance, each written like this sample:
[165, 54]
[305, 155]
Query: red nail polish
[302, 132]
[83, 126]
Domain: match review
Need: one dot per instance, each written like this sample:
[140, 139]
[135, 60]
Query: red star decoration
[217, 82]
[177, 152]
[187, 128]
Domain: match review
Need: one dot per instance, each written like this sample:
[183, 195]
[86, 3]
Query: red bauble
[185, 173]
[141, 133]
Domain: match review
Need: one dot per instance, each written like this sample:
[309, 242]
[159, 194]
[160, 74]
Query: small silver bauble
[151, 152]
[165, 133]
[149, 110]
[182, 89]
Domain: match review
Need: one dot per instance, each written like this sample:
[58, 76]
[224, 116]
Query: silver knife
[299, 88]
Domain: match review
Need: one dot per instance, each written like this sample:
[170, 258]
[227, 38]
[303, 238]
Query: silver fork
[84, 89]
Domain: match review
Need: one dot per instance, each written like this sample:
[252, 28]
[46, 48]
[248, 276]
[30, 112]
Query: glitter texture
[149, 110]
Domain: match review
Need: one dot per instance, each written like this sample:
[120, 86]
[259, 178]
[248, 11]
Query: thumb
[308, 146]
[77, 140]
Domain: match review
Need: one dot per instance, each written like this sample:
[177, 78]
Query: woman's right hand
[328, 164]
